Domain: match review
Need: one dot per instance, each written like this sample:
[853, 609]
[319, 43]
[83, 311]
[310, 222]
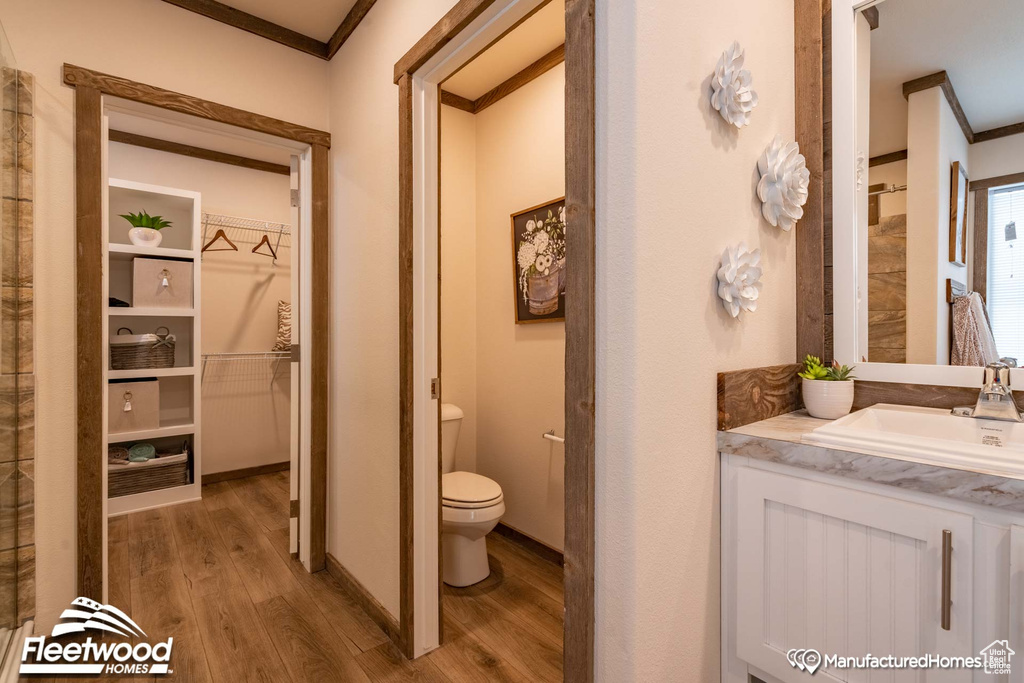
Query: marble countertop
[780, 439]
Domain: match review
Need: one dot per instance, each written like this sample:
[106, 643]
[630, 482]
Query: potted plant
[541, 258]
[146, 229]
[827, 390]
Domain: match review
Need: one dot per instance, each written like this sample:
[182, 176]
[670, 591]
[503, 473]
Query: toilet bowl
[471, 506]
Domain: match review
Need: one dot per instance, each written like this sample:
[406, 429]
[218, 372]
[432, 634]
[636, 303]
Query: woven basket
[142, 351]
[165, 471]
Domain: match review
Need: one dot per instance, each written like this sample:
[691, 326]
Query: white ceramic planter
[827, 400]
[145, 237]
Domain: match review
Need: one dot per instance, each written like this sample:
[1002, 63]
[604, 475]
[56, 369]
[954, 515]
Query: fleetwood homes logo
[91, 656]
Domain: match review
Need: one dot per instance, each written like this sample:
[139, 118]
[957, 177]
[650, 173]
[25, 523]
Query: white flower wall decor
[732, 96]
[739, 279]
[782, 188]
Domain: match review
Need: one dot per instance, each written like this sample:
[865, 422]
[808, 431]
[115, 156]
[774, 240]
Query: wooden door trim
[90, 86]
[578, 641]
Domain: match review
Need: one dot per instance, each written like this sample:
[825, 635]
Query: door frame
[90, 88]
[462, 30]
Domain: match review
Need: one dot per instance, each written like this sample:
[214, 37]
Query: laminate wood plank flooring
[217, 576]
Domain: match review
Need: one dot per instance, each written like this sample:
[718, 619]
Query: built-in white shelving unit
[179, 386]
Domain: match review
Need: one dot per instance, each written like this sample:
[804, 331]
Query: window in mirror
[1005, 284]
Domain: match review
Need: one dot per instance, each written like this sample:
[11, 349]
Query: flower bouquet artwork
[538, 241]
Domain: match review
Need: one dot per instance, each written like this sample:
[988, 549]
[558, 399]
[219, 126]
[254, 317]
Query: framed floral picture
[538, 262]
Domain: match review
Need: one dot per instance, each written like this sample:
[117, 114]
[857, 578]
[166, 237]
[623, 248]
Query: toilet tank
[451, 422]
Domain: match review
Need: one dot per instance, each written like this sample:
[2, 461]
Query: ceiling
[314, 18]
[524, 45]
[982, 50]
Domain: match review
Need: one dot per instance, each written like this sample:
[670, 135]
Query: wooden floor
[217, 576]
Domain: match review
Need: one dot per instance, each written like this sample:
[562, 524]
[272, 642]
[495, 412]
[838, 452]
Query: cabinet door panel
[846, 573]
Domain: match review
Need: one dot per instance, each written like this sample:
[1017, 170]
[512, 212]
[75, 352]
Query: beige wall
[181, 51]
[245, 416]
[459, 276]
[520, 368]
[935, 141]
[515, 372]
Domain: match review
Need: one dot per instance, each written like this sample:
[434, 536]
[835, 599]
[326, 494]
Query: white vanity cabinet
[851, 568]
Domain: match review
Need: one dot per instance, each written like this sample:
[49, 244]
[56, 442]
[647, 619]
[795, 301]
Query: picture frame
[958, 195]
[538, 263]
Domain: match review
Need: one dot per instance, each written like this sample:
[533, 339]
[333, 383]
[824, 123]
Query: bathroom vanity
[855, 550]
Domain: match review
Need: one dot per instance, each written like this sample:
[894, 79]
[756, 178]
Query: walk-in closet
[199, 288]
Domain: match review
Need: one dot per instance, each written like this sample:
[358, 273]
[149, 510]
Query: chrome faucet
[995, 401]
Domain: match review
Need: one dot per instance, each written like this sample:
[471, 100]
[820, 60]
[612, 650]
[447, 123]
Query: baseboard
[245, 472]
[376, 611]
[531, 544]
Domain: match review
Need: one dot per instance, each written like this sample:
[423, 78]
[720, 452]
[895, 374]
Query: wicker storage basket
[162, 472]
[142, 351]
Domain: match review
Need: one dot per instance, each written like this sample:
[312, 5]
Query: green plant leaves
[815, 369]
[144, 220]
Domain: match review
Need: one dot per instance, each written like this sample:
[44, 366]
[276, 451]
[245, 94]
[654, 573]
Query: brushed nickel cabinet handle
[947, 571]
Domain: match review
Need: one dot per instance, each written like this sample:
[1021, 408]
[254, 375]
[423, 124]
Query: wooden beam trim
[250, 23]
[889, 158]
[979, 273]
[319, 355]
[450, 99]
[77, 76]
[997, 181]
[871, 15]
[1001, 132]
[580, 346]
[810, 230]
[197, 152]
[509, 86]
[941, 80]
[348, 26]
[89, 336]
[443, 32]
[535, 70]
[406, 398]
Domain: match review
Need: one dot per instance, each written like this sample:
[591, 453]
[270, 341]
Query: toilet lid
[469, 490]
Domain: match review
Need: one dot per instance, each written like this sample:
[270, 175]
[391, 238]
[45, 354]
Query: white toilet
[471, 507]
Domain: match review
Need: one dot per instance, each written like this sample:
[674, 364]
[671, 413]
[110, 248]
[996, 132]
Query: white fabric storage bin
[142, 396]
[161, 283]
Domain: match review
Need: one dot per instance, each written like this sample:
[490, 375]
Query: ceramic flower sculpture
[739, 279]
[732, 96]
[782, 188]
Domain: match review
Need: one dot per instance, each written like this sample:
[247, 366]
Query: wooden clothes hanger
[266, 241]
[218, 236]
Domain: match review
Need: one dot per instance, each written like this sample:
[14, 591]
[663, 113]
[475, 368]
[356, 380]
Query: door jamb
[90, 87]
[578, 640]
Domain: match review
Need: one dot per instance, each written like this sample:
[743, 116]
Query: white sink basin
[929, 435]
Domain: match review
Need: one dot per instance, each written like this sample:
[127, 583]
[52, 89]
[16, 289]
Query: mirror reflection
[941, 119]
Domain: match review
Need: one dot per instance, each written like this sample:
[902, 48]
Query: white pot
[827, 400]
[145, 237]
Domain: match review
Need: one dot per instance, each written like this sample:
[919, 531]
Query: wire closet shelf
[237, 356]
[275, 231]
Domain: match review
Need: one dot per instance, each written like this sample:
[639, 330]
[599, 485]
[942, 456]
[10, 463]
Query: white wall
[934, 142]
[191, 54]
[459, 276]
[517, 371]
[674, 187]
[245, 416]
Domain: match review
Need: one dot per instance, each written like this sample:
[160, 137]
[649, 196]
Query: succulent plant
[815, 369]
[840, 373]
[144, 220]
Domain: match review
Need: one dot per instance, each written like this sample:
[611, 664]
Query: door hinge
[296, 354]
[435, 388]
[295, 198]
